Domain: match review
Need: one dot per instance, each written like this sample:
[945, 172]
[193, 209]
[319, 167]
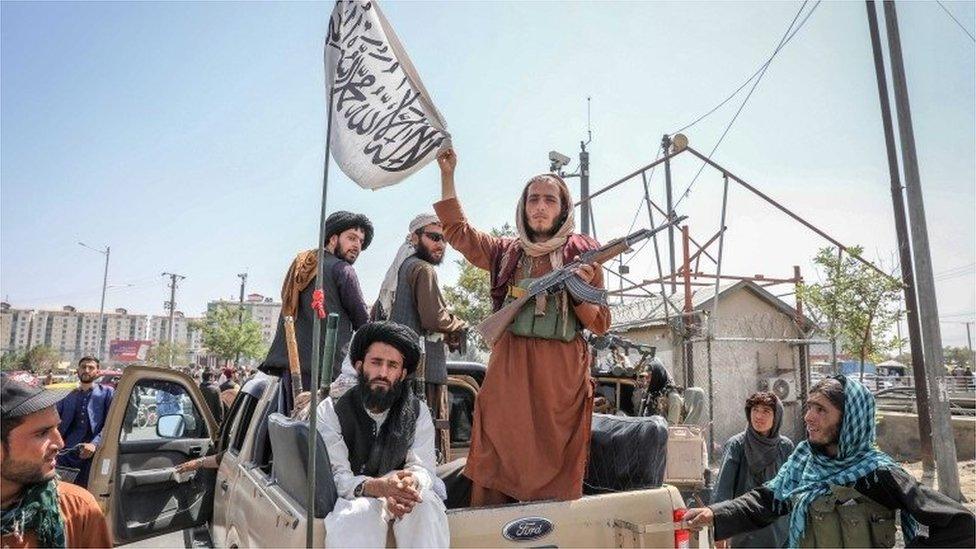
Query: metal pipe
[657, 251]
[785, 210]
[689, 358]
[666, 144]
[718, 269]
[798, 341]
[631, 175]
[317, 323]
[701, 248]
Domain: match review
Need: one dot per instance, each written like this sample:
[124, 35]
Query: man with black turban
[381, 448]
[346, 235]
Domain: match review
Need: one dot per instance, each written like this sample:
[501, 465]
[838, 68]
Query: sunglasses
[435, 237]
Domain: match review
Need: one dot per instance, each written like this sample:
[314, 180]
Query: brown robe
[531, 433]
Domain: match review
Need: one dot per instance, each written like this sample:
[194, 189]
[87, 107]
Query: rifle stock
[492, 328]
[294, 367]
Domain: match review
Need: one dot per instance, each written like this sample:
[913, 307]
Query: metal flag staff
[320, 312]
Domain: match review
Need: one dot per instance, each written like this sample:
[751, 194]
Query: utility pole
[969, 341]
[943, 441]
[101, 309]
[173, 279]
[240, 314]
[584, 158]
[904, 254]
[666, 146]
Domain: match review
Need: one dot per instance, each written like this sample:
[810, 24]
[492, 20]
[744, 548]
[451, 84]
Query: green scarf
[37, 512]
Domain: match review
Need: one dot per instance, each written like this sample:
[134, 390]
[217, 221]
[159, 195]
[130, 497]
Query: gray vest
[404, 311]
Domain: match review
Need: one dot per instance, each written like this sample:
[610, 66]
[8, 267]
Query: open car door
[158, 419]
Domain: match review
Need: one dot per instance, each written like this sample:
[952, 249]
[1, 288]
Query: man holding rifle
[531, 432]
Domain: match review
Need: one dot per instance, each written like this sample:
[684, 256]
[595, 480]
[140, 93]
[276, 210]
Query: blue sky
[189, 136]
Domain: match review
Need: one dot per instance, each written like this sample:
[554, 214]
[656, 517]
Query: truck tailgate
[641, 518]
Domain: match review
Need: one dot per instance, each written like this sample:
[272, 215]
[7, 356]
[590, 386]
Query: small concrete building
[756, 341]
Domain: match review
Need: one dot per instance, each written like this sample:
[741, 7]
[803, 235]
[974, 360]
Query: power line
[953, 17]
[790, 33]
[760, 70]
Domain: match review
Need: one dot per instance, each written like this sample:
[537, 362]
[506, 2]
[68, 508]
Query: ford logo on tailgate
[527, 529]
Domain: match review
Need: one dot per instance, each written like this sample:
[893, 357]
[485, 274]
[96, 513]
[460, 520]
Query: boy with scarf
[753, 457]
[38, 509]
[839, 490]
[380, 441]
[531, 433]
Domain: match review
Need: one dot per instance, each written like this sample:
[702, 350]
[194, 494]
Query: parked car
[257, 497]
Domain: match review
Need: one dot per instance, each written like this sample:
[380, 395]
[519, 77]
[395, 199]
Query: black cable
[946, 10]
[744, 84]
[786, 37]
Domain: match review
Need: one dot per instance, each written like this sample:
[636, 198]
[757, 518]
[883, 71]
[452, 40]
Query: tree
[229, 332]
[12, 360]
[855, 304]
[470, 298]
[39, 359]
[163, 354]
[957, 356]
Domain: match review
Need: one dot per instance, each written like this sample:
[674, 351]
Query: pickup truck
[257, 496]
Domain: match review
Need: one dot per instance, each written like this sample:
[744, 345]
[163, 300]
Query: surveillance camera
[557, 160]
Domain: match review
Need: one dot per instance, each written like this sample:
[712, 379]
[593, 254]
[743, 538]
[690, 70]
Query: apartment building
[263, 310]
[15, 328]
[71, 332]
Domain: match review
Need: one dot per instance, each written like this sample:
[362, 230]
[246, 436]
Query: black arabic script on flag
[377, 94]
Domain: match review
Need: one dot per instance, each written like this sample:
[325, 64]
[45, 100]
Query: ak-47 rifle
[495, 325]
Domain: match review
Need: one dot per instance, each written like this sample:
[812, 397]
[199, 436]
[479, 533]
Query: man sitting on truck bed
[380, 441]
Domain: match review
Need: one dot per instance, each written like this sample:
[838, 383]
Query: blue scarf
[807, 475]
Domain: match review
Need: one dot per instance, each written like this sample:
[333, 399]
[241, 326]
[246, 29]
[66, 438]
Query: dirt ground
[967, 479]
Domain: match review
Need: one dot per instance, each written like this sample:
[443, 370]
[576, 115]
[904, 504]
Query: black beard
[379, 399]
[342, 254]
[423, 252]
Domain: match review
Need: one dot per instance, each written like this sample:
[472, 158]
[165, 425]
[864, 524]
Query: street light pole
[101, 309]
[240, 315]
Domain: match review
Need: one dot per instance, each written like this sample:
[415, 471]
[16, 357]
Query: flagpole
[316, 321]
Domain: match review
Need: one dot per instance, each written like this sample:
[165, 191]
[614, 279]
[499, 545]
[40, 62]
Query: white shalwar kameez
[363, 521]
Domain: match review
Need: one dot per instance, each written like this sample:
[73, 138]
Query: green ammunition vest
[848, 518]
[552, 324]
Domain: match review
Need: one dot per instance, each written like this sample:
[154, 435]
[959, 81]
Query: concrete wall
[738, 367]
[898, 436]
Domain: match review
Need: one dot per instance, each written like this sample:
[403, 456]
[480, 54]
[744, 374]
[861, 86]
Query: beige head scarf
[556, 242]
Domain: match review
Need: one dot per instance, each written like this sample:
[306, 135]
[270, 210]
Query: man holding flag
[531, 433]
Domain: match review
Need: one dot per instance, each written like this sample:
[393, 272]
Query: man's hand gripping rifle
[492, 328]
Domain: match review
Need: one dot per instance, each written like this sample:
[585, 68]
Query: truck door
[158, 419]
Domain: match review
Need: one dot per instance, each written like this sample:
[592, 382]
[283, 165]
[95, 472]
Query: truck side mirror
[174, 425]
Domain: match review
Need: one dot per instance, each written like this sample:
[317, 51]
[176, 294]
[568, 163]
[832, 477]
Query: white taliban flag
[384, 125]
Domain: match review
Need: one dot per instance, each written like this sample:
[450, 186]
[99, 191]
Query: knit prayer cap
[399, 336]
[342, 221]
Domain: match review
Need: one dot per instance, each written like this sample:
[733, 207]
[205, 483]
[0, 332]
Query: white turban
[389, 286]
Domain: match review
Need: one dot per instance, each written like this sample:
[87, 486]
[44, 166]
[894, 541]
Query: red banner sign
[129, 350]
